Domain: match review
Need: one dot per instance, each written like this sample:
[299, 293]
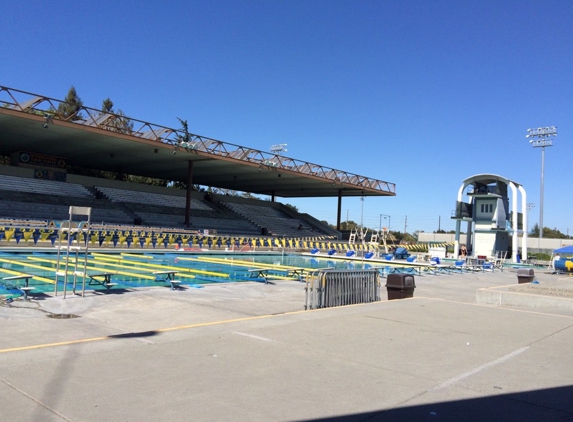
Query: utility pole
[405, 224]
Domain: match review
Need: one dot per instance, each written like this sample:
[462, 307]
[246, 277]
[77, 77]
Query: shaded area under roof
[157, 152]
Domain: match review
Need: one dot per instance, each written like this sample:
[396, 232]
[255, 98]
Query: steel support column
[339, 210]
[188, 197]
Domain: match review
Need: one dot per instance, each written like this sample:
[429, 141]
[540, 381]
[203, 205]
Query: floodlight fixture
[278, 148]
[541, 138]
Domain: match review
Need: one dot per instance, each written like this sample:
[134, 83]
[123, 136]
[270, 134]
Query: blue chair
[459, 265]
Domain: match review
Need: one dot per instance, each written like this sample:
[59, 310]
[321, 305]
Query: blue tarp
[565, 249]
[401, 253]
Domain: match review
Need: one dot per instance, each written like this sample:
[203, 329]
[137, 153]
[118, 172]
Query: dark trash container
[525, 275]
[400, 286]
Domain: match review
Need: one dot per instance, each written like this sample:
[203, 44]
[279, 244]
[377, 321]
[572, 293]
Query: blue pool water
[133, 270]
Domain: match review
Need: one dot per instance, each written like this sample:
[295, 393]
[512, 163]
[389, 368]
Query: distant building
[493, 227]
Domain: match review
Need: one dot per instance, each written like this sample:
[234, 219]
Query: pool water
[131, 270]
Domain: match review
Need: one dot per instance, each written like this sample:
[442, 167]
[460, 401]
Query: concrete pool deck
[249, 352]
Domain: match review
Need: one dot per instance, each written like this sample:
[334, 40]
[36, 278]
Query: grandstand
[38, 147]
[26, 198]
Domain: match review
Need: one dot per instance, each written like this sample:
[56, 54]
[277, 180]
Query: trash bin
[400, 286]
[525, 275]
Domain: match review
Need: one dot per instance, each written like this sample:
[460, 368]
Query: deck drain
[62, 316]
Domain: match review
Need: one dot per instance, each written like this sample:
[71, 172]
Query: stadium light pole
[541, 138]
[389, 221]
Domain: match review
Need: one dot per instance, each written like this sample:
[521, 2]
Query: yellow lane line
[248, 264]
[133, 255]
[100, 269]
[241, 263]
[35, 277]
[146, 270]
[145, 266]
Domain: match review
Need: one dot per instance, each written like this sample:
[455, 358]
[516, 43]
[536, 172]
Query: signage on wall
[32, 159]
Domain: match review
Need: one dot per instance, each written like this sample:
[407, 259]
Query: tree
[293, 207]
[119, 123]
[71, 106]
[145, 180]
[547, 233]
[107, 106]
[348, 225]
[186, 137]
[407, 237]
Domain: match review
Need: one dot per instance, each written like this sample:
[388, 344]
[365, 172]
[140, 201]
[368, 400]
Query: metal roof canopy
[30, 123]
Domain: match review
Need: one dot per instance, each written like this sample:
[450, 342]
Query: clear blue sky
[419, 93]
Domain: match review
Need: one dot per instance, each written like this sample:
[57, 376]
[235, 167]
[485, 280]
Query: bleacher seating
[39, 209]
[39, 199]
[27, 198]
[42, 186]
[138, 197]
[270, 218]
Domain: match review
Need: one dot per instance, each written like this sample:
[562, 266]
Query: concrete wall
[17, 171]
[533, 243]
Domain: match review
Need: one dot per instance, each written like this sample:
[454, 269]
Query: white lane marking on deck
[474, 371]
[251, 336]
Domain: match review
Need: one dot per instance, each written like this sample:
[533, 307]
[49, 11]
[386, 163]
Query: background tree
[293, 207]
[119, 123]
[71, 106]
[107, 106]
[548, 233]
[186, 136]
[146, 180]
[348, 225]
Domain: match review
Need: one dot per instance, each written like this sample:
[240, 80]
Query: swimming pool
[136, 270]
